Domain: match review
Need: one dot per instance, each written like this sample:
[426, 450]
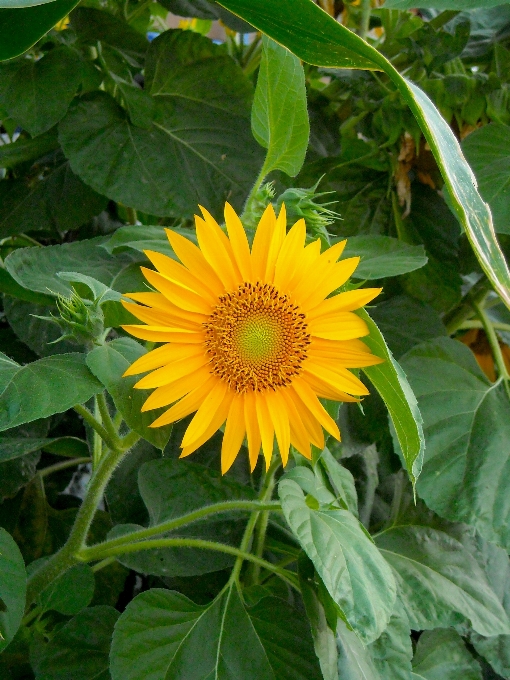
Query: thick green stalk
[106, 418]
[95, 425]
[96, 552]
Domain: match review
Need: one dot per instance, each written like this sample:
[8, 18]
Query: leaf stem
[366, 10]
[106, 418]
[98, 551]
[63, 465]
[464, 310]
[494, 343]
[476, 323]
[95, 425]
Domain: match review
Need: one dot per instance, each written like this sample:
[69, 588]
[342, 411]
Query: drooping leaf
[383, 256]
[315, 36]
[442, 655]
[202, 138]
[442, 4]
[43, 388]
[37, 94]
[172, 488]
[20, 28]
[80, 648]
[70, 593]
[108, 363]
[390, 381]
[440, 583]
[341, 480]
[12, 588]
[353, 570]
[279, 117]
[92, 24]
[24, 150]
[467, 433]
[14, 447]
[163, 635]
[488, 152]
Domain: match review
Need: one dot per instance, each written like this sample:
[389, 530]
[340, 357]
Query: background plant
[143, 566]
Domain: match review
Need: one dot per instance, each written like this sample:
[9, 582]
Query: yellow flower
[251, 337]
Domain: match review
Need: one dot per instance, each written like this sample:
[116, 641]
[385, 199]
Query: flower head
[251, 338]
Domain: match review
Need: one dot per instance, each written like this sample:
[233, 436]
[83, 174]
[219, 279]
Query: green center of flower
[256, 338]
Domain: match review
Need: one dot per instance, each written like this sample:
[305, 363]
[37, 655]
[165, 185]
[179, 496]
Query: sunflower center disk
[256, 338]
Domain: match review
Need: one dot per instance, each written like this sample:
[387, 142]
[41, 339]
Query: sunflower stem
[106, 418]
[265, 494]
[464, 310]
[63, 465]
[366, 10]
[494, 343]
[95, 425]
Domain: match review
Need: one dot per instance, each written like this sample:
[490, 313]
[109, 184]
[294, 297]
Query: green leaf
[392, 651]
[108, 363]
[56, 200]
[20, 28]
[93, 24]
[36, 268]
[70, 593]
[440, 583]
[37, 94]
[23, 3]
[488, 152]
[44, 387]
[442, 655]
[144, 237]
[390, 381]
[199, 130]
[12, 588]
[354, 660]
[172, 488]
[205, 9]
[24, 150]
[383, 256]
[314, 36]
[14, 447]
[354, 572]
[79, 649]
[405, 322]
[467, 432]
[98, 289]
[442, 4]
[163, 635]
[341, 480]
[279, 117]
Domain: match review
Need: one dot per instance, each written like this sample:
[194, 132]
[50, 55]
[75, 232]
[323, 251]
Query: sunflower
[251, 338]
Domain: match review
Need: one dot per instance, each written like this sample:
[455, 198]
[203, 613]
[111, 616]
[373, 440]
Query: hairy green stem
[95, 425]
[366, 10]
[475, 323]
[95, 552]
[159, 543]
[63, 465]
[104, 563]
[464, 310]
[106, 418]
[260, 533]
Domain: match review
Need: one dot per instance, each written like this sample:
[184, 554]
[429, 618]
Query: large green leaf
[392, 651]
[442, 4]
[440, 583]
[15, 447]
[24, 149]
[70, 593]
[20, 28]
[108, 363]
[23, 3]
[44, 387]
[13, 586]
[467, 433]
[279, 117]
[172, 488]
[442, 655]
[353, 570]
[314, 36]
[390, 381]
[37, 268]
[163, 635]
[79, 650]
[354, 660]
[198, 148]
[383, 256]
[488, 152]
[37, 94]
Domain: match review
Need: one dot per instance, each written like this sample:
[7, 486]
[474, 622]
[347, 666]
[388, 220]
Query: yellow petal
[215, 424]
[312, 426]
[161, 356]
[277, 239]
[341, 326]
[176, 272]
[194, 260]
[280, 417]
[167, 394]
[234, 433]
[262, 243]
[238, 241]
[299, 437]
[309, 399]
[265, 426]
[217, 251]
[344, 302]
[335, 375]
[173, 371]
[290, 255]
[335, 276]
[187, 404]
[164, 334]
[182, 297]
[204, 415]
[160, 318]
[160, 302]
[252, 428]
[326, 390]
[344, 356]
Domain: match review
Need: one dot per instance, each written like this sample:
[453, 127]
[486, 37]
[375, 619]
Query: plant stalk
[494, 343]
[366, 10]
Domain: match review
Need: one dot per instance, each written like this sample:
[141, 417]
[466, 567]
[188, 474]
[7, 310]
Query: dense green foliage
[386, 556]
